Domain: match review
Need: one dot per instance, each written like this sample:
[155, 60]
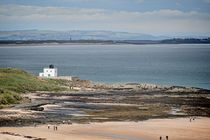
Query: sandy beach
[176, 129]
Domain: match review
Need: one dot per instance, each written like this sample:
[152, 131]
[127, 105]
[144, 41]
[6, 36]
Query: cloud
[163, 21]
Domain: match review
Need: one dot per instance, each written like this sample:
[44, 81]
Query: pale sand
[176, 129]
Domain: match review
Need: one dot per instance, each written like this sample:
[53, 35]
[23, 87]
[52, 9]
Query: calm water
[187, 65]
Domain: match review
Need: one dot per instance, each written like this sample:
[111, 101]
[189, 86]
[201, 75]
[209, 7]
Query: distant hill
[104, 37]
[74, 35]
[186, 41]
[138, 42]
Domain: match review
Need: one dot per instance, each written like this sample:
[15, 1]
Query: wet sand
[176, 129]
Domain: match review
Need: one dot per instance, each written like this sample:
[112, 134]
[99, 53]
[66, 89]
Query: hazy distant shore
[137, 42]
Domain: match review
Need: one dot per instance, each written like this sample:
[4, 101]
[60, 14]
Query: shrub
[9, 98]
[3, 100]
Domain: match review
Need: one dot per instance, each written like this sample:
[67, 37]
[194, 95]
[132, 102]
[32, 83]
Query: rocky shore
[87, 85]
[91, 102]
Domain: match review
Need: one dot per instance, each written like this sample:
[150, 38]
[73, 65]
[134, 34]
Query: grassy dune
[13, 82]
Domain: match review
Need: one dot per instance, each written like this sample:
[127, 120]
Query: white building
[49, 72]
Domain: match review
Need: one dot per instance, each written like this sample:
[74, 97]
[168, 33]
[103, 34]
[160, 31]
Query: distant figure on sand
[166, 137]
[56, 127]
[48, 126]
[160, 138]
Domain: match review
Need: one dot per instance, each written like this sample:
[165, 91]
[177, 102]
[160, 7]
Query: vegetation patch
[9, 98]
[15, 81]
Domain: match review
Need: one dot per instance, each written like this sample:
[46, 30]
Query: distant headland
[93, 37]
[137, 42]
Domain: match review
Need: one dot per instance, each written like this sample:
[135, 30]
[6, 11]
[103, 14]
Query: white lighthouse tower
[49, 72]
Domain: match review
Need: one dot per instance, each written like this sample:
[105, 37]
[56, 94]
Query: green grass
[9, 98]
[15, 81]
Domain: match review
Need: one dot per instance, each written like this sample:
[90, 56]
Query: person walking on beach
[48, 126]
[166, 137]
[56, 127]
[160, 138]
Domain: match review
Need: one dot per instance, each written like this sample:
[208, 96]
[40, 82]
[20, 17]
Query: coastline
[83, 110]
[176, 129]
[98, 103]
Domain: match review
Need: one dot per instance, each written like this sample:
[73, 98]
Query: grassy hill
[13, 82]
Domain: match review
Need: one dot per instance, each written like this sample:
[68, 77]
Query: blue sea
[182, 65]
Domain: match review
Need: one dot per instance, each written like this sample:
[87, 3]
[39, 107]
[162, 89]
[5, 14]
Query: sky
[156, 17]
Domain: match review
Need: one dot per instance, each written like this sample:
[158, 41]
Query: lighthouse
[49, 72]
